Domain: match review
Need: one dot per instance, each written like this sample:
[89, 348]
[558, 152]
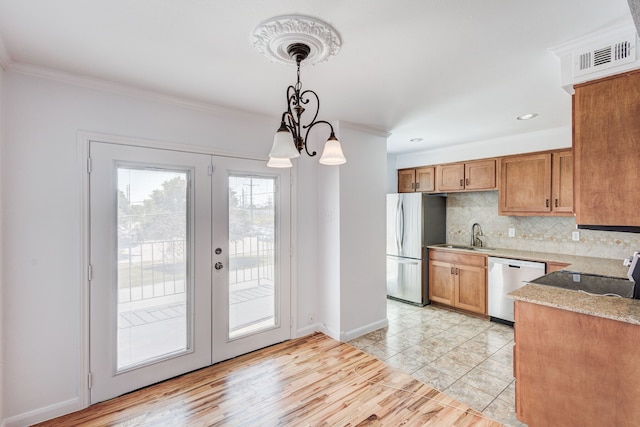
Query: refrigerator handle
[401, 226]
[397, 233]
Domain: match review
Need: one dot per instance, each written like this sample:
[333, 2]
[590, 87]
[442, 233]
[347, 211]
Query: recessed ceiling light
[415, 139]
[527, 116]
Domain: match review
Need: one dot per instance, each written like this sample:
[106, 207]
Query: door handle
[218, 266]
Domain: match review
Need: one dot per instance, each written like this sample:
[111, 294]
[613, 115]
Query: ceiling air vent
[599, 54]
[611, 55]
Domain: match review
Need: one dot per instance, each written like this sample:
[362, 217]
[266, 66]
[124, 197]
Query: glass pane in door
[252, 285]
[153, 273]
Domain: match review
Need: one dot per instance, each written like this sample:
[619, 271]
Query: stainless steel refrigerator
[414, 221]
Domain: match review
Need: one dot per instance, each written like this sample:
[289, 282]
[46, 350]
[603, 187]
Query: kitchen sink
[457, 247]
[467, 248]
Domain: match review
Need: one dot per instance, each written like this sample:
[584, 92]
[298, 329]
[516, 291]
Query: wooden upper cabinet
[469, 176]
[426, 179]
[562, 182]
[536, 184]
[406, 180]
[420, 179]
[606, 139]
[525, 184]
[480, 175]
[450, 177]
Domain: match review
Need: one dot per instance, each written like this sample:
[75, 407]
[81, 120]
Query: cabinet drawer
[458, 258]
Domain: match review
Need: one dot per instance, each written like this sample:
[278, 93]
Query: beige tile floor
[468, 358]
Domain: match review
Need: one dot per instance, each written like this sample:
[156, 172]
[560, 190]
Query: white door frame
[83, 140]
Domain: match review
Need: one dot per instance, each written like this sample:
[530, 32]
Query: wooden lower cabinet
[458, 280]
[555, 266]
[574, 369]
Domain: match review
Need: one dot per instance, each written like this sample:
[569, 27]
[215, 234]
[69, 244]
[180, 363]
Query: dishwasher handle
[517, 263]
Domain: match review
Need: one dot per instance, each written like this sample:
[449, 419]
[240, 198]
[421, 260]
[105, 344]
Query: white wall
[329, 228]
[392, 174]
[2, 168]
[362, 192]
[306, 246]
[548, 139]
[41, 217]
[352, 263]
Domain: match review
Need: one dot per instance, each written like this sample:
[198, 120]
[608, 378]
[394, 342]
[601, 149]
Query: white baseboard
[43, 414]
[308, 330]
[355, 333]
[342, 336]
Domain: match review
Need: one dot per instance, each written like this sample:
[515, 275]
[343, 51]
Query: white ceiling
[447, 71]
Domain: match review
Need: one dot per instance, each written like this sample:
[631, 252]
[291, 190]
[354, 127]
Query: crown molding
[131, 91]
[5, 58]
[363, 128]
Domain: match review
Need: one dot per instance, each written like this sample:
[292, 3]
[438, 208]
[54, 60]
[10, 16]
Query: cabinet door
[525, 184]
[562, 182]
[471, 288]
[605, 149]
[426, 179]
[480, 175]
[441, 282]
[406, 180]
[450, 177]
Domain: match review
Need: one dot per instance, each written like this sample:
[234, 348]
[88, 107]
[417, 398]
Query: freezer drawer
[404, 279]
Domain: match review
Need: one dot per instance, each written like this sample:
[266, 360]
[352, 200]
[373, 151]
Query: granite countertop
[581, 264]
[621, 309]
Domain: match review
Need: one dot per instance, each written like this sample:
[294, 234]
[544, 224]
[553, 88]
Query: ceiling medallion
[273, 37]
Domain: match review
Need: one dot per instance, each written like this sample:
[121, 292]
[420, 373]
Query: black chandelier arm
[291, 97]
[309, 127]
[306, 101]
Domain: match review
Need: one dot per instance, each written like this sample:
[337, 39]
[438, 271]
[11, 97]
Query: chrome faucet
[475, 240]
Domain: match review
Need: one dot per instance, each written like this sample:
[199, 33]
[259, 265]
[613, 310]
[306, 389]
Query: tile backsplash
[532, 233]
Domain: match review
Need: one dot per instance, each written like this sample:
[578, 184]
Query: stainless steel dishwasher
[506, 275]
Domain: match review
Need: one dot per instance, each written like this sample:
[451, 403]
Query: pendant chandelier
[289, 140]
[295, 39]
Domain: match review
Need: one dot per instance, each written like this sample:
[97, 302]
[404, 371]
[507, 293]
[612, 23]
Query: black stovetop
[591, 283]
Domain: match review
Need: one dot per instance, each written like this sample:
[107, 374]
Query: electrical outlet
[512, 232]
[575, 236]
[310, 319]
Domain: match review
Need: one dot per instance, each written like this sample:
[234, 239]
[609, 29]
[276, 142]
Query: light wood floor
[311, 381]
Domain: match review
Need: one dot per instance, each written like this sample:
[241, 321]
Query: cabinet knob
[466, 181]
[461, 183]
[556, 203]
[546, 202]
[417, 185]
[451, 270]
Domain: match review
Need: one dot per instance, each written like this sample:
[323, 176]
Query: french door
[189, 263]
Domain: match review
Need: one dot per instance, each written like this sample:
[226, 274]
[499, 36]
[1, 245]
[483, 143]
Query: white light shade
[332, 154]
[276, 162]
[283, 147]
